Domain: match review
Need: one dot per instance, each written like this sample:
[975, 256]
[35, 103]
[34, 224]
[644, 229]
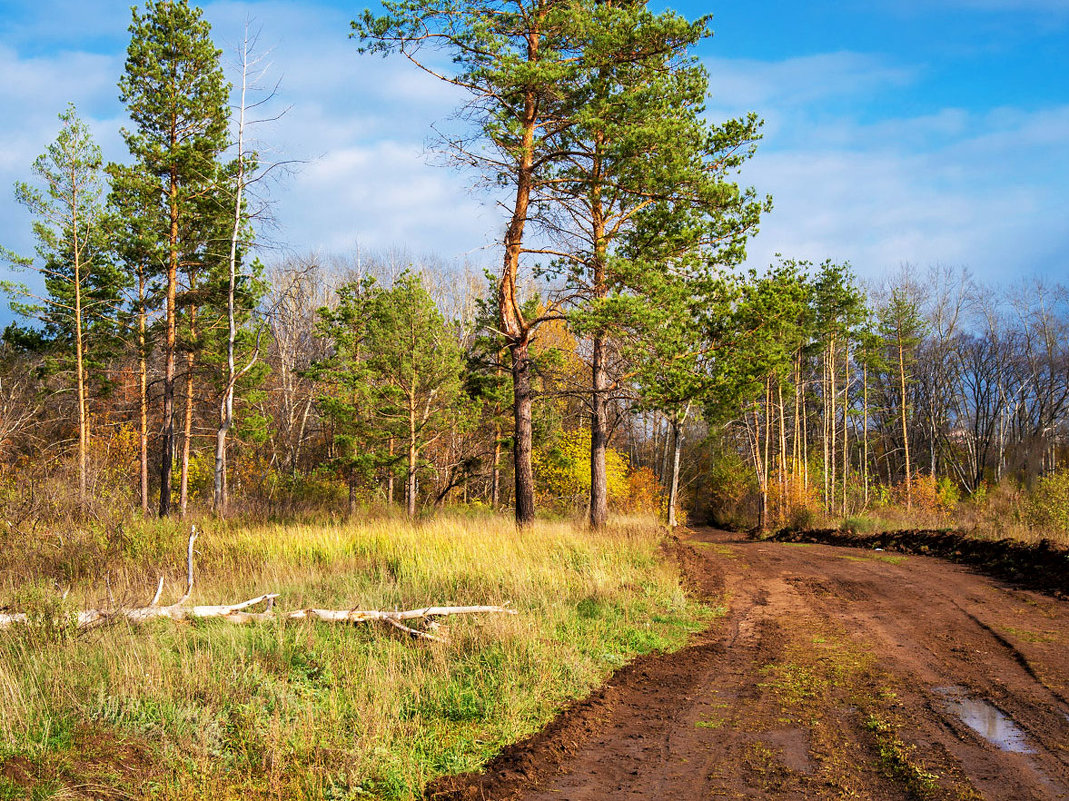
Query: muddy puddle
[987, 721]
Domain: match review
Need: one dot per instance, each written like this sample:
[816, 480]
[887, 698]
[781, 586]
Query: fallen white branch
[235, 613]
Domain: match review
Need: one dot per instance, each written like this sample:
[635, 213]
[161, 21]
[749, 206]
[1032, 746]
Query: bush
[791, 502]
[49, 616]
[802, 518]
[562, 471]
[859, 525]
[933, 495]
[644, 493]
[731, 486]
[1047, 506]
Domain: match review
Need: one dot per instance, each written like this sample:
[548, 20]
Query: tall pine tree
[82, 286]
[176, 96]
[646, 186]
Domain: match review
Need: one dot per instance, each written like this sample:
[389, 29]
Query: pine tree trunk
[495, 481]
[833, 426]
[762, 515]
[513, 324]
[824, 427]
[522, 442]
[865, 431]
[796, 447]
[142, 394]
[79, 355]
[599, 484]
[390, 476]
[846, 406]
[905, 432]
[784, 500]
[655, 449]
[187, 423]
[805, 444]
[167, 449]
[769, 424]
[413, 455]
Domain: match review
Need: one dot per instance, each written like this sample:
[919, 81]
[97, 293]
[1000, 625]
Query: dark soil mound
[1041, 566]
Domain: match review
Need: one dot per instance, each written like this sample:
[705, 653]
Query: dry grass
[1006, 511]
[311, 710]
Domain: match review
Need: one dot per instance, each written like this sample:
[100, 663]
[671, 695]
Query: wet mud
[837, 673]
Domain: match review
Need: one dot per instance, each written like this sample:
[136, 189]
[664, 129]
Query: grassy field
[209, 709]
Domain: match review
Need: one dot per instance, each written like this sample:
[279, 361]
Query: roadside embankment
[1041, 566]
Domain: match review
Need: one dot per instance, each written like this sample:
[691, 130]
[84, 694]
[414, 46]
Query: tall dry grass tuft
[313, 710]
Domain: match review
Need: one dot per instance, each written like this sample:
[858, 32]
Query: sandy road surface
[836, 673]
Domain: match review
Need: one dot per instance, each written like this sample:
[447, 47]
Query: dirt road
[836, 673]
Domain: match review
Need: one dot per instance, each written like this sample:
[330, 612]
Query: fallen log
[235, 613]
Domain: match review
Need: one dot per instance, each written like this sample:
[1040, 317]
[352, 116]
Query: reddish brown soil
[822, 681]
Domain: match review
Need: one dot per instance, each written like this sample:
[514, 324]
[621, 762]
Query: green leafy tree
[869, 355]
[646, 186]
[489, 382]
[416, 365]
[139, 252]
[80, 306]
[669, 368]
[902, 327]
[516, 61]
[346, 394]
[753, 349]
[838, 310]
[176, 96]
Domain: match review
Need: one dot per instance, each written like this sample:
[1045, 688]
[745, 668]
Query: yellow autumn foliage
[562, 470]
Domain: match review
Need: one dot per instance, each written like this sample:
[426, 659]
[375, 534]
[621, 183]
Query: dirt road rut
[836, 673]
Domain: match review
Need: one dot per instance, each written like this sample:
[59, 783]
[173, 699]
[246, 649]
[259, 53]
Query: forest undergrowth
[210, 709]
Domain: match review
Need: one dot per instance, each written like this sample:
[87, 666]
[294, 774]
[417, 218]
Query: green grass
[314, 710]
[890, 559]
[897, 760]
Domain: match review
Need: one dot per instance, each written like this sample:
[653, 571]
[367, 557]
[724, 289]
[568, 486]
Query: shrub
[859, 525]
[562, 470]
[731, 490]
[644, 493]
[791, 502]
[802, 518]
[930, 494]
[1047, 506]
[49, 617]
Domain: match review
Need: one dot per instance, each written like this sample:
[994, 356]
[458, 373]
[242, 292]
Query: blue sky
[930, 132]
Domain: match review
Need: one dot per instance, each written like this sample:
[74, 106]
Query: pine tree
[516, 60]
[345, 391]
[902, 328]
[671, 360]
[646, 185]
[80, 306]
[837, 312]
[176, 97]
[416, 366]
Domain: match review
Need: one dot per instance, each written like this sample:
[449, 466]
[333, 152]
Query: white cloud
[985, 189]
[34, 91]
[383, 195]
[793, 82]
[359, 124]
[992, 200]
[949, 185]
